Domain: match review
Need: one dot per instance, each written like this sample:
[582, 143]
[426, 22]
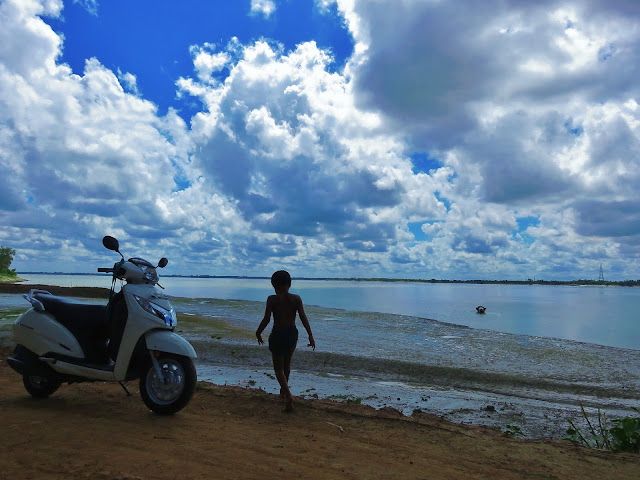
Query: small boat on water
[480, 309]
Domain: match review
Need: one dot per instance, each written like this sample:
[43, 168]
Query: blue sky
[450, 139]
[152, 39]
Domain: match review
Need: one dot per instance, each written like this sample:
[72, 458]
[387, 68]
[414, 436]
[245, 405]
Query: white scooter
[131, 337]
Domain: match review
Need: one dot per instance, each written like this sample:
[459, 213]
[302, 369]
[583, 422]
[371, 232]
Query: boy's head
[281, 279]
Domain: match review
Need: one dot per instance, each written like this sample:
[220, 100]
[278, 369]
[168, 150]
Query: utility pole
[601, 275]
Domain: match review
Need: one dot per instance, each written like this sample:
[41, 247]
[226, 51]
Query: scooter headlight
[168, 316]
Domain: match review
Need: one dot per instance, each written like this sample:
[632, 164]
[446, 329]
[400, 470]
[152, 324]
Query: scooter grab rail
[37, 304]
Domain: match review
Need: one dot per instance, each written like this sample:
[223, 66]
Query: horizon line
[380, 279]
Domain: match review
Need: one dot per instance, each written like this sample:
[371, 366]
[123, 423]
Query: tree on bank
[6, 257]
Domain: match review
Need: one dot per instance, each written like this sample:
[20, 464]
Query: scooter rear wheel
[173, 392]
[40, 387]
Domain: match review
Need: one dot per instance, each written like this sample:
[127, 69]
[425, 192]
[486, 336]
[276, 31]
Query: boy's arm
[305, 323]
[264, 323]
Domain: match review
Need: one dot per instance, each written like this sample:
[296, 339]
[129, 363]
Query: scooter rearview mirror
[111, 243]
[163, 262]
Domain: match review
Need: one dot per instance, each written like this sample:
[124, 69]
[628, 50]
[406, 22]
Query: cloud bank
[460, 140]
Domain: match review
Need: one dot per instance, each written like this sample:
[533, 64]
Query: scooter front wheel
[40, 387]
[173, 391]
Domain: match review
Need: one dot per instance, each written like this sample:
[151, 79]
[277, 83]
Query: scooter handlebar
[105, 270]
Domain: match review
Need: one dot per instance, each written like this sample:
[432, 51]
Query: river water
[602, 315]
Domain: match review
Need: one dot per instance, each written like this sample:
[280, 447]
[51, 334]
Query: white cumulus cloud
[263, 7]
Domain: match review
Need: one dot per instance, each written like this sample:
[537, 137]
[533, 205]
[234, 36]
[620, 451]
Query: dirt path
[96, 431]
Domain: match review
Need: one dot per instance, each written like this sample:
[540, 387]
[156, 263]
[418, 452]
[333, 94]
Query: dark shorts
[283, 340]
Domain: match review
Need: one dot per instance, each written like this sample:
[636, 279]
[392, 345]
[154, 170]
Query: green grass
[346, 398]
[5, 329]
[461, 411]
[213, 327]
[9, 315]
[513, 431]
[6, 278]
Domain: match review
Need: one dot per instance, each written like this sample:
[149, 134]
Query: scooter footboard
[167, 341]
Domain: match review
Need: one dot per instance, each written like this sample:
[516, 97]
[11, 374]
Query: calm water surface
[601, 315]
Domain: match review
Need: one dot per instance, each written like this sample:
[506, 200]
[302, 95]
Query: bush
[624, 436]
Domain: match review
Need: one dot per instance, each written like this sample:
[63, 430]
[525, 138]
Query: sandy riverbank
[96, 431]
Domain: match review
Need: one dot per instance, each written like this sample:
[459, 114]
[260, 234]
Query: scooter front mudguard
[169, 342]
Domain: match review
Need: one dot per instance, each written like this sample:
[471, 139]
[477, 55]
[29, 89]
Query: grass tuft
[623, 436]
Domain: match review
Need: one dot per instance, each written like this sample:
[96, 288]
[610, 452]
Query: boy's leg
[287, 364]
[278, 368]
[292, 340]
[287, 371]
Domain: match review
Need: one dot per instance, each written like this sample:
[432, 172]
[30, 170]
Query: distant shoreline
[575, 283]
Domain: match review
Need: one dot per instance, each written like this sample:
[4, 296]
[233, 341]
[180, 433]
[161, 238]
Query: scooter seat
[88, 323]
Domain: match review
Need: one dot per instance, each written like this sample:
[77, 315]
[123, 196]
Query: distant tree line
[6, 257]
[529, 281]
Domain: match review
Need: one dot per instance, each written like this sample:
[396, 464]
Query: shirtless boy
[284, 335]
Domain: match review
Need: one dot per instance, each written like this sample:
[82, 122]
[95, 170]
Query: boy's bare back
[284, 307]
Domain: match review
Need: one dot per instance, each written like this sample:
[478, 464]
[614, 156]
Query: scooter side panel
[41, 333]
[167, 341]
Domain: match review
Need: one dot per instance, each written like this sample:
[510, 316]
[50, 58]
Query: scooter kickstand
[125, 389]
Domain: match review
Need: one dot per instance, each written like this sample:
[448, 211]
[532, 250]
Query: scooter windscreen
[149, 272]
